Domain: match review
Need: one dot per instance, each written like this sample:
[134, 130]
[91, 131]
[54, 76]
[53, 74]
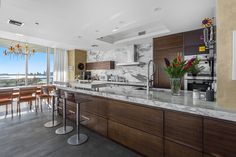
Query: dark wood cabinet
[156, 132]
[185, 129]
[147, 144]
[105, 65]
[161, 79]
[142, 118]
[165, 47]
[173, 149]
[168, 42]
[94, 122]
[192, 41]
[219, 138]
[93, 104]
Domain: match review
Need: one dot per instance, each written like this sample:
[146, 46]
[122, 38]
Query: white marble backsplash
[119, 55]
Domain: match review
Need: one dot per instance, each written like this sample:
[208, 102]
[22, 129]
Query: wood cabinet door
[94, 122]
[94, 105]
[176, 150]
[219, 138]
[144, 143]
[185, 129]
[139, 117]
[167, 42]
[161, 79]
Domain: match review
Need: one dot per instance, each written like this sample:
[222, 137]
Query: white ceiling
[62, 21]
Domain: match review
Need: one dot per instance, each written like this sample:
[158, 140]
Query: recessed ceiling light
[36, 23]
[20, 35]
[157, 9]
[116, 29]
[94, 45]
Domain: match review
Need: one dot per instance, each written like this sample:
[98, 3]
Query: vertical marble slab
[119, 55]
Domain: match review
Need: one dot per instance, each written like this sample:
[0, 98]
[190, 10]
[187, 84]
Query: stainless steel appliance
[204, 79]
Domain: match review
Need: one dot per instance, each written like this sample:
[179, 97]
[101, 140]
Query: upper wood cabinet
[167, 42]
[103, 65]
[184, 129]
[219, 138]
[192, 41]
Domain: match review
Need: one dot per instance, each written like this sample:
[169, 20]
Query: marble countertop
[162, 99]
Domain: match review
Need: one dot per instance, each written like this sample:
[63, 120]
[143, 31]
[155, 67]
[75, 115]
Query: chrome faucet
[149, 80]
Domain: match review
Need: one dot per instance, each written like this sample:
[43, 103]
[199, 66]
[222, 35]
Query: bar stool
[65, 129]
[54, 122]
[78, 138]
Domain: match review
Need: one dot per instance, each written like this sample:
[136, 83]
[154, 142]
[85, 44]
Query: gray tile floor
[26, 137]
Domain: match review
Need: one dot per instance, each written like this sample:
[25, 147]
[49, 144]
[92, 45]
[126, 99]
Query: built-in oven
[203, 80]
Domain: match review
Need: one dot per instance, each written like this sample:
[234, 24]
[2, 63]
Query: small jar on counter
[196, 94]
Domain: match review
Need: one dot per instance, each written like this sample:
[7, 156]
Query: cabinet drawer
[95, 123]
[219, 138]
[142, 142]
[176, 150]
[142, 118]
[95, 105]
[184, 128]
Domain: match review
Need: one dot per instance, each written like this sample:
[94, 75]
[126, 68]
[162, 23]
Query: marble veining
[119, 55]
[162, 99]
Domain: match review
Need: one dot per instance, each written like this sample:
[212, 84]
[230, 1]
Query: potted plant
[177, 69]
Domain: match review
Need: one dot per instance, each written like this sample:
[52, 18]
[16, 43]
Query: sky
[16, 65]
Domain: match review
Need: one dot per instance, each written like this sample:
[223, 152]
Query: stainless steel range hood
[132, 57]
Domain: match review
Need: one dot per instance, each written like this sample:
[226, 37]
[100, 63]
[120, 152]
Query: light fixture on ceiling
[20, 35]
[116, 29]
[156, 9]
[16, 23]
[94, 45]
[19, 50]
[36, 23]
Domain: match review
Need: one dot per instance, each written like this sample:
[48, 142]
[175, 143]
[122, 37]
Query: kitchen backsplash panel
[119, 55]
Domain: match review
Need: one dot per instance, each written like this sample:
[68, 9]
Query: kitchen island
[159, 124]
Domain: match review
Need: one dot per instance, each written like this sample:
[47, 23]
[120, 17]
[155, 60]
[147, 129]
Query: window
[12, 69]
[37, 69]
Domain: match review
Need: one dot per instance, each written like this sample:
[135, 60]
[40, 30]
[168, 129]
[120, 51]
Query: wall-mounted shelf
[103, 65]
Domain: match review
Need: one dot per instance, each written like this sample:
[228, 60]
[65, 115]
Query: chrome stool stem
[65, 129]
[78, 138]
[52, 123]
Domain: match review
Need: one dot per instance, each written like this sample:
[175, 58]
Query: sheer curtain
[60, 65]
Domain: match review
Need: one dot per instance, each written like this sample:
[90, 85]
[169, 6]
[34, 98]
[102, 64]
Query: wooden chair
[6, 99]
[27, 94]
[45, 94]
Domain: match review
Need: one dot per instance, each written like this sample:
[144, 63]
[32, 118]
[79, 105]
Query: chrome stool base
[51, 124]
[74, 140]
[63, 130]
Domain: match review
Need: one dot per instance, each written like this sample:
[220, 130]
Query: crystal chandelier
[19, 50]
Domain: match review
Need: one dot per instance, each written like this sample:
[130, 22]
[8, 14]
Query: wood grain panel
[95, 123]
[176, 150]
[184, 128]
[95, 105]
[105, 65]
[220, 138]
[142, 142]
[161, 79]
[142, 118]
[167, 42]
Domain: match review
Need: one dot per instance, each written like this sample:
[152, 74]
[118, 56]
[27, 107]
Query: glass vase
[175, 84]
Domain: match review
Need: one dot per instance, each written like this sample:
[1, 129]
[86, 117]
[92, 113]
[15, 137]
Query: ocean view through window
[12, 69]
